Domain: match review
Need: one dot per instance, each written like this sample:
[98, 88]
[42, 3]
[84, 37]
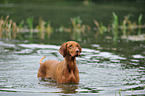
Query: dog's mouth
[78, 55]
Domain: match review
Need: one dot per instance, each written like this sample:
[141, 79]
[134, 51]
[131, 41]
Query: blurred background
[111, 33]
[86, 16]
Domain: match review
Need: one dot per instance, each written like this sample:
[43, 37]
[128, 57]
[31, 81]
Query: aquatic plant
[115, 26]
[21, 25]
[78, 29]
[7, 28]
[1, 23]
[124, 27]
[125, 24]
[64, 29]
[101, 28]
[44, 28]
[41, 28]
[15, 30]
[77, 25]
[10, 30]
[30, 25]
[139, 23]
[120, 92]
[48, 29]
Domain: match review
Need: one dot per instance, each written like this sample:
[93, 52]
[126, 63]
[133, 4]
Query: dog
[65, 71]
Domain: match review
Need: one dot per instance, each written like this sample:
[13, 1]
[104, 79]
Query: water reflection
[101, 72]
[65, 88]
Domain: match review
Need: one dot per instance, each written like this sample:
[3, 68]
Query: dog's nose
[77, 50]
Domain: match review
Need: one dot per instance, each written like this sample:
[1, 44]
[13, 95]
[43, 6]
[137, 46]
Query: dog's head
[71, 48]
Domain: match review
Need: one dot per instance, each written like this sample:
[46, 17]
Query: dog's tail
[40, 62]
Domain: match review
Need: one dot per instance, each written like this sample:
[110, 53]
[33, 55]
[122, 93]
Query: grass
[10, 30]
[44, 29]
[139, 23]
[115, 26]
[30, 25]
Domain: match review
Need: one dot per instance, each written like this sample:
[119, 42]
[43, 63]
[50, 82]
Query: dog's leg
[72, 78]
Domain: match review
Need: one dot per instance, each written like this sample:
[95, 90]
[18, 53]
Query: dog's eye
[70, 46]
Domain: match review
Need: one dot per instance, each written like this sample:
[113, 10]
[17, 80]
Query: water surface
[101, 72]
[106, 67]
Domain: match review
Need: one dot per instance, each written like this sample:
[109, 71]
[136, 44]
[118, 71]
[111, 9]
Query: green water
[106, 67]
[59, 12]
[102, 72]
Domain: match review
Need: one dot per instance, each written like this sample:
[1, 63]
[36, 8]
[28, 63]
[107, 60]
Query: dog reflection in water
[65, 88]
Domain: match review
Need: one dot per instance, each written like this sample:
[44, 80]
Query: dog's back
[47, 69]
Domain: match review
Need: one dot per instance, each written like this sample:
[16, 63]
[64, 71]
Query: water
[106, 67]
[101, 73]
[60, 12]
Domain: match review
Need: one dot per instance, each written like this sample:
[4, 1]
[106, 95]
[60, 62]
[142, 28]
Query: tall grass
[44, 29]
[139, 23]
[49, 29]
[115, 26]
[78, 28]
[10, 30]
[101, 28]
[30, 25]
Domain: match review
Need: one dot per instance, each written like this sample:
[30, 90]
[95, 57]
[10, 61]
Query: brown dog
[65, 71]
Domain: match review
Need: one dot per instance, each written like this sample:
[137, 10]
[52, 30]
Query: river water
[106, 67]
[101, 73]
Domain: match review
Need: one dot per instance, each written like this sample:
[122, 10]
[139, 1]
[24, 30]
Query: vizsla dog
[65, 71]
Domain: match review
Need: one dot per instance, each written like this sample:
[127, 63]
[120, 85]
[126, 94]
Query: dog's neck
[70, 63]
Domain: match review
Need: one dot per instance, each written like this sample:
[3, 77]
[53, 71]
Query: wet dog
[65, 71]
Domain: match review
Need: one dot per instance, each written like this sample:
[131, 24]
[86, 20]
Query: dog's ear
[80, 49]
[63, 49]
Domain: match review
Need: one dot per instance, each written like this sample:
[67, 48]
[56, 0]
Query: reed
[44, 28]
[30, 25]
[120, 92]
[10, 30]
[1, 23]
[21, 26]
[115, 26]
[101, 28]
[78, 29]
[139, 23]
[41, 28]
[48, 29]
[15, 30]
[64, 29]
[124, 27]
[77, 24]
[126, 22]
[4, 33]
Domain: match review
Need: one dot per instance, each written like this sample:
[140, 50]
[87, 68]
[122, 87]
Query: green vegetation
[30, 25]
[10, 30]
[44, 28]
[115, 26]
[139, 23]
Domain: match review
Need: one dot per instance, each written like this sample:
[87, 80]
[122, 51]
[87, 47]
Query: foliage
[139, 23]
[10, 30]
